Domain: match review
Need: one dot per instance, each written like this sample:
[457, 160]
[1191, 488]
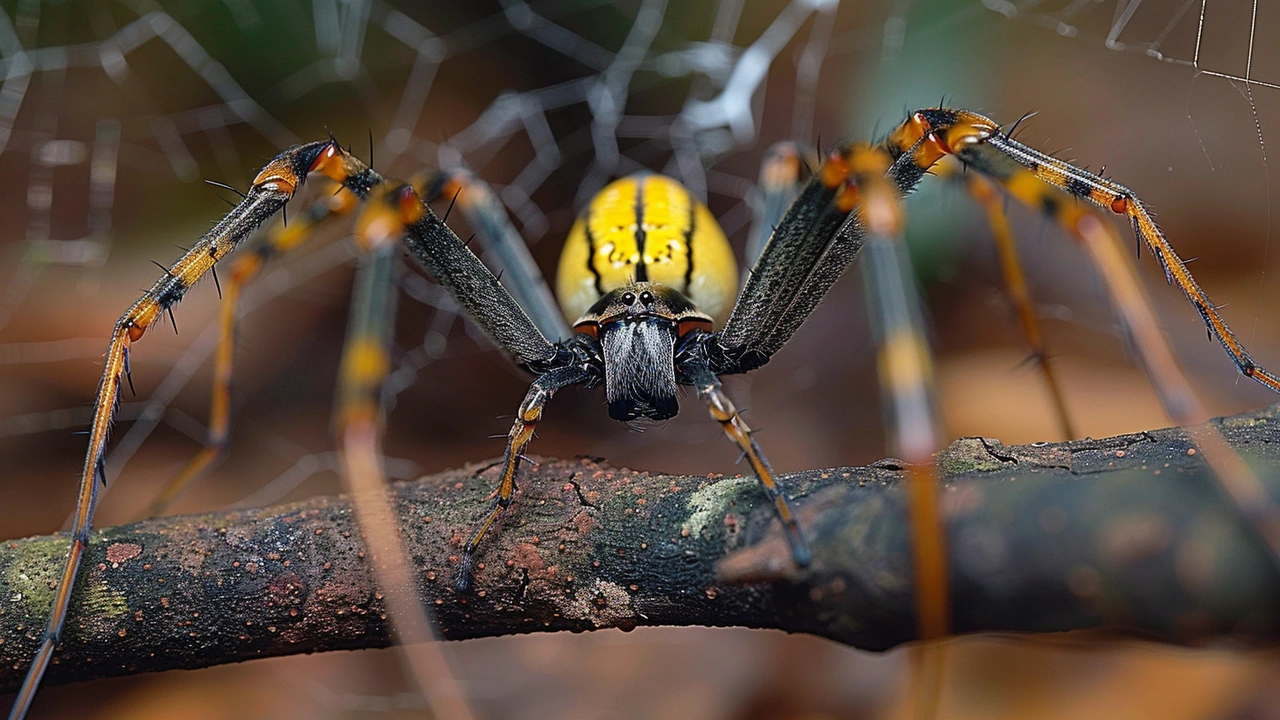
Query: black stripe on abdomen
[688, 240]
[642, 270]
[591, 251]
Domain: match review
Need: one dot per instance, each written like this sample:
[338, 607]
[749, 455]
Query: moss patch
[966, 456]
[709, 504]
[33, 573]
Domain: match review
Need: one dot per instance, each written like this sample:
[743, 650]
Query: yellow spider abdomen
[647, 227]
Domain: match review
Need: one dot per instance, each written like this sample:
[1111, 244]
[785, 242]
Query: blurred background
[113, 112]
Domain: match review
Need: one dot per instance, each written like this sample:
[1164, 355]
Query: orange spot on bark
[122, 552]
[583, 523]
[526, 556]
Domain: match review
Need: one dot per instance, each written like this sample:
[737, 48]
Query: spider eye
[629, 299]
[646, 297]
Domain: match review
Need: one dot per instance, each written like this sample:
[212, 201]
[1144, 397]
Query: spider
[649, 281]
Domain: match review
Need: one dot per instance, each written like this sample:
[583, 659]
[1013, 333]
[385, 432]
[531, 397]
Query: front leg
[724, 412]
[518, 439]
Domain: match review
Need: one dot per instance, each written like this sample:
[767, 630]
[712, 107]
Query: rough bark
[1126, 534]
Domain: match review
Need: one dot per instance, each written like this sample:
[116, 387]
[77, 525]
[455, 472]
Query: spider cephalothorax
[637, 327]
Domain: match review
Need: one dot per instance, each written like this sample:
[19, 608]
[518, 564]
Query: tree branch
[1126, 534]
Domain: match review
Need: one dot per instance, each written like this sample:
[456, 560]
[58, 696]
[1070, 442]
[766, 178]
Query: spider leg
[907, 381]
[527, 418]
[487, 217]
[1050, 185]
[365, 356]
[978, 142]
[808, 251]
[982, 191]
[245, 268]
[1106, 249]
[358, 421]
[780, 175]
[811, 247]
[271, 189]
[488, 303]
[699, 374]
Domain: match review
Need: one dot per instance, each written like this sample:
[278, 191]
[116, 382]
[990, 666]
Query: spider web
[181, 102]
[104, 109]
[1219, 39]
[1220, 44]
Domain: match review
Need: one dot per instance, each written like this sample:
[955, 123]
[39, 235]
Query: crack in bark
[577, 488]
[988, 446]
